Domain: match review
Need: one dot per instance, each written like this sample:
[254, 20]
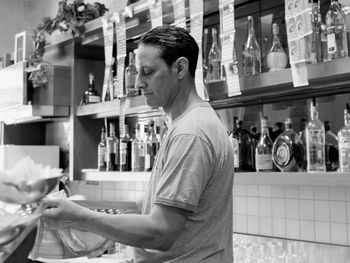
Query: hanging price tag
[156, 12]
[196, 7]
[122, 109]
[179, 13]
[120, 31]
[120, 88]
[227, 17]
[108, 47]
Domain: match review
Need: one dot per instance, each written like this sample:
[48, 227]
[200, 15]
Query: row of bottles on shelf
[327, 41]
[129, 90]
[136, 152]
[314, 149]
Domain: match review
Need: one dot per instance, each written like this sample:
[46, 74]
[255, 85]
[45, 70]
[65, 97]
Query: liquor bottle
[288, 150]
[276, 59]
[102, 152]
[316, 43]
[112, 149]
[315, 142]
[265, 49]
[152, 147]
[263, 150]
[302, 135]
[235, 144]
[130, 77]
[125, 149]
[277, 130]
[344, 142]
[91, 95]
[251, 52]
[336, 31]
[246, 148]
[204, 53]
[159, 139]
[214, 59]
[138, 151]
[331, 150]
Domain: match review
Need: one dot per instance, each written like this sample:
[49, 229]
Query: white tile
[277, 191]
[125, 195]
[306, 192]
[139, 186]
[338, 234]
[279, 227]
[241, 223]
[347, 193]
[292, 208]
[307, 210]
[265, 190]
[322, 232]
[252, 190]
[253, 225]
[321, 192]
[265, 206]
[108, 195]
[338, 212]
[348, 212]
[292, 229]
[307, 230]
[240, 189]
[241, 205]
[278, 208]
[265, 226]
[131, 196]
[322, 211]
[292, 191]
[132, 186]
[348, 231]
[337, 193]
[253, 206]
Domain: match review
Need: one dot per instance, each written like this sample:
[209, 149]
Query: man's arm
[159, 230]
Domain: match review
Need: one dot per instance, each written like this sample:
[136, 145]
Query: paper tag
[227, 18]
[232, 79]
[120, 31]
[120, 78]
[122, 108]
[108, 28]
[197, 27]
[196, 7]
[299, 74]
[156, 12]
[179, 9]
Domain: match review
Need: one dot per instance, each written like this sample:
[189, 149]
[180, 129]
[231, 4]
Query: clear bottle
[315, 142]
[130, 77]
[102, 152]
[138, 151]
[288, 150]
[214, 59]
[276, 59]
[316, 43]
[204, 52]
[246, 148]
[331, 150]
[112, 149]
[251, 52]
[344, 142]
[263, 150]
[336, 31]
[125, 149]
[235, 144]
[91, 95]
[152, 147]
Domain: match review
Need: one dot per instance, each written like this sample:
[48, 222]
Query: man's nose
[140, 84]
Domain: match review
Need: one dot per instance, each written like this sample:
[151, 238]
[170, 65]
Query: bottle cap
[275, 29]
[91, 78]
[288, 121]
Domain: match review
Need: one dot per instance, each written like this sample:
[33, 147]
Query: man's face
[155, 78]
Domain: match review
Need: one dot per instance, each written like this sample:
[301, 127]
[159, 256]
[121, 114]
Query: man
[187, 211]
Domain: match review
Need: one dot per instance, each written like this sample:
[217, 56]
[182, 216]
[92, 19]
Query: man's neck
[185, 99]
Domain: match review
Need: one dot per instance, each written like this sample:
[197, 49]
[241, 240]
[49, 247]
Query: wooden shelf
[135, 106]
[33, 113]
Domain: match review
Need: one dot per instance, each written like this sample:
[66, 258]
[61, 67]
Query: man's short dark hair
[174, 42]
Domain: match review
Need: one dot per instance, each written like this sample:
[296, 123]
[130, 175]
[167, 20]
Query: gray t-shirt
[194, 171]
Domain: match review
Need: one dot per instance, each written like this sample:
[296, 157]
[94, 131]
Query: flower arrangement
[72, 15]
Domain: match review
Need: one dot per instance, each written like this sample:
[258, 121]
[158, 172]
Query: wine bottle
[214, 60]
[276, 59]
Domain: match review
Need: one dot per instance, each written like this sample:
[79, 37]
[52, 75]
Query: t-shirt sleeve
[185, 173]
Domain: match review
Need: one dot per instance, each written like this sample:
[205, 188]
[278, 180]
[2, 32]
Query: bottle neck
[214, 37]
[111, 131]
[314, 113]
[103, 136]
[347, 118]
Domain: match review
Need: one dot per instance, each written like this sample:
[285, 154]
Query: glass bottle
[214, 59]
[112, 149]
[130, 76]
[138, 151]
[246, 148]
[102, 151]
[316, 43]
[204, 52]
[91, 95]
[235, 144]
[288, 150]
[315, 142]
[263, 150]
[125, 149]
[251, 52]
[344, 142]
[331, 150]
[152, 147]
[276, 59]
[336, 31]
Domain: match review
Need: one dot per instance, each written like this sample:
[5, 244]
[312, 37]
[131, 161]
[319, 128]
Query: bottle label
[282, 155]
[94, 99]
[123, 150]
[331, 42]
[101, 156]
[235, 145]
[263, 162]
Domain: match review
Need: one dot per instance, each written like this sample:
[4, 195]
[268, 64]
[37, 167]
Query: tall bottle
[316, 41]
[288, 150]
[138, 151]
[125, 149]
[331, 150]
[91, 95]
[263, 150]
[152, 147]
[246, 150]
[251, 52]
[204, 53]
[130, 77]
[276, 59]
[344, 142]
[315, 142]
[102, 152]
[214, 59]
[112, 149]
[336, 31]
[235, 144]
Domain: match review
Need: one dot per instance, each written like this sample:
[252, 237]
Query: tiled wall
[310, 213]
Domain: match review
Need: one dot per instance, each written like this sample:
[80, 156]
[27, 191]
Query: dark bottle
[152, 144]
[91, 95]
[235, 144]
[278, 129]
[288, 150]
[125, 149]
[246, 147]
[102, 151]
[112, 149]
[331, 150]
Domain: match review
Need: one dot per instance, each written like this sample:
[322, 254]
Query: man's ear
[180, 67]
